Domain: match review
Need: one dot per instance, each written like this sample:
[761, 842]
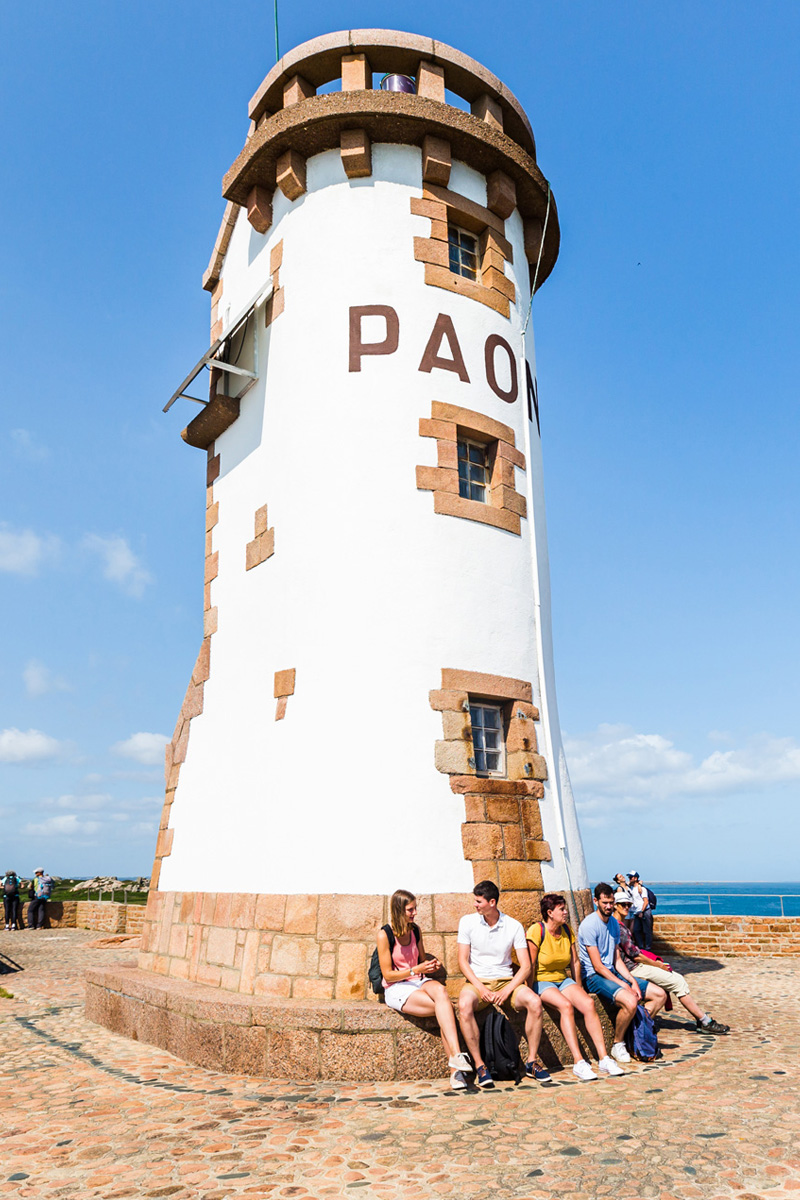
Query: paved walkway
[88, 1114]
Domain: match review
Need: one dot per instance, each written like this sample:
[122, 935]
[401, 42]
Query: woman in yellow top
[554, 954]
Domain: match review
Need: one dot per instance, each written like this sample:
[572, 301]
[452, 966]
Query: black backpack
[499, 1047]
[652, 897]
[11, 885]
[375, 973]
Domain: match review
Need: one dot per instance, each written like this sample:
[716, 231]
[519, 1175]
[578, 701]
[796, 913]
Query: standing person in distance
[486, 938]
[408, 987]
[554, 976]
[641, 912]
[621, 880]
[11, 899]
[42, 888]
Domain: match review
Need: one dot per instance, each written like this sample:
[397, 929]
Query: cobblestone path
[89, 1114]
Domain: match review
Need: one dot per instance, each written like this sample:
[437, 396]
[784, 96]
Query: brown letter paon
[492, 342]
[389, 344]
[443, 328]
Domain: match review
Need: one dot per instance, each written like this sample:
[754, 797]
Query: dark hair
[487, 889]
[603, 889]
[548, 902]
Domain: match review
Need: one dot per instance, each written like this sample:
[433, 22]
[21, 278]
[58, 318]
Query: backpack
[499, 1047]
[11, 885]
[640, 1039]
[652, 897]
[374, 972]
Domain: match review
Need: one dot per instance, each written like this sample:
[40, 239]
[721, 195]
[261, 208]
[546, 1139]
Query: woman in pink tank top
[408, 987]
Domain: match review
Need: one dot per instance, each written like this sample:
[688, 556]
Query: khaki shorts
[494, 985]
[670, 981]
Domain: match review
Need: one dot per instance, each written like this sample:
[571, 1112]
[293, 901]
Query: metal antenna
[277, 49]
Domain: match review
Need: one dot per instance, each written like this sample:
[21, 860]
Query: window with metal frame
[463, 249]
[487, 738]
[473, 470]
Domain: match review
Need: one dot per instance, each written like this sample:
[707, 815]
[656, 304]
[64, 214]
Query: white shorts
[396, 994]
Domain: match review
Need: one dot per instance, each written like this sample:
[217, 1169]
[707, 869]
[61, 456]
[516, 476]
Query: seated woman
[555, 974]
[408, 987]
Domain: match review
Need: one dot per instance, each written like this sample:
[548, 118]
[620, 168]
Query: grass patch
[4, 995]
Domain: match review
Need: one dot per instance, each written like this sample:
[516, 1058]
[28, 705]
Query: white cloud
[27, 447]
[90, 803]
[67, 826]
[17, 746]
[39, 679]
[120, 564]
[146, 748]
[22, 551]
[617, 767]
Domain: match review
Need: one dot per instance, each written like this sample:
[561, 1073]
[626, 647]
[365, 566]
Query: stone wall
[710, 937]
[103, 915]
[304, 947]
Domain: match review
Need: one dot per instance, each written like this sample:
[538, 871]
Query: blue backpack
[640, 1039]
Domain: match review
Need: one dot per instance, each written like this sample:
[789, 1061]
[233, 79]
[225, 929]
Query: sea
[727, 899]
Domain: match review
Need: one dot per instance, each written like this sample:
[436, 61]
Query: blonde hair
[397, 911]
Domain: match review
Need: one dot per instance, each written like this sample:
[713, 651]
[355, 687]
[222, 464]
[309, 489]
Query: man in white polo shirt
[485, 941]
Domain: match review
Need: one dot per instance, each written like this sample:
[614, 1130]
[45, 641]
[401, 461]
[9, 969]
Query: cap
[39, 871]
[633, 874]
[621, 897]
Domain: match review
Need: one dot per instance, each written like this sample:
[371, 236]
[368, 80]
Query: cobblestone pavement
[90, 1114]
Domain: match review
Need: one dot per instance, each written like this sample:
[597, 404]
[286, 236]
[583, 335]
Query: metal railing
[709, 896]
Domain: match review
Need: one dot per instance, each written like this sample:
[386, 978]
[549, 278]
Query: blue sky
[668, 366]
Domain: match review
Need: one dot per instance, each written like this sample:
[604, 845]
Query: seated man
[485, 941]
[604, 971]
[658, 972]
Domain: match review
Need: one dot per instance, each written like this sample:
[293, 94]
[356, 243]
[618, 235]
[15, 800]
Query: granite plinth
[279, 1038]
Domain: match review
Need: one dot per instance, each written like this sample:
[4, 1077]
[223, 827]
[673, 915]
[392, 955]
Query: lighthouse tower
[373, 705]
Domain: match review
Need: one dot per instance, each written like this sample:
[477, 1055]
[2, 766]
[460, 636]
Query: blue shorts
[598, 985]
[539, 988]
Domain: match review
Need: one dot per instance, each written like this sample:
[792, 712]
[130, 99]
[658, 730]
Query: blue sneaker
[483, 1078]
[535, 1070]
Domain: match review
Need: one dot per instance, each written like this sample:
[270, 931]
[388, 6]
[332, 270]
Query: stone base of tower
[276, 986]
[283, 1039]
[299, 947]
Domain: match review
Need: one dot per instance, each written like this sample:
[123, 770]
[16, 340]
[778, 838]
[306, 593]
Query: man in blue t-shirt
[604, 971]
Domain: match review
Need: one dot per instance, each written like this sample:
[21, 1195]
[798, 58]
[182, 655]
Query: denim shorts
[598, 985]
[539, 988]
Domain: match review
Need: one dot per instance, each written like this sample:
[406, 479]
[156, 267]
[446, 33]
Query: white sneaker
[619, 1052]
[460, 1062]
[584, 1071]
[608, 1067]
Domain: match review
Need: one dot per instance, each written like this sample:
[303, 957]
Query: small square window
[473, 470]
[463, 248]
[487, 738]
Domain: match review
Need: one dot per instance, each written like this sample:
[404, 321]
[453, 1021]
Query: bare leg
[584, 1003]
[626, 1002]
[527, 999]
[468, 1001]
[432, 1000]
[656, 999]
[566, 1018]
[692, 1007]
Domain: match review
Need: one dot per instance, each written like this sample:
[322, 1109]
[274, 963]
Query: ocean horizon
[726, 898]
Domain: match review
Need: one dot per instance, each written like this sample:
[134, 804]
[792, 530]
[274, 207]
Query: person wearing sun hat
[651, 969]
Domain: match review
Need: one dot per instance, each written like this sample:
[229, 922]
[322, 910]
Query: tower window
[473, 470]
[487, 738]
[463, 248]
